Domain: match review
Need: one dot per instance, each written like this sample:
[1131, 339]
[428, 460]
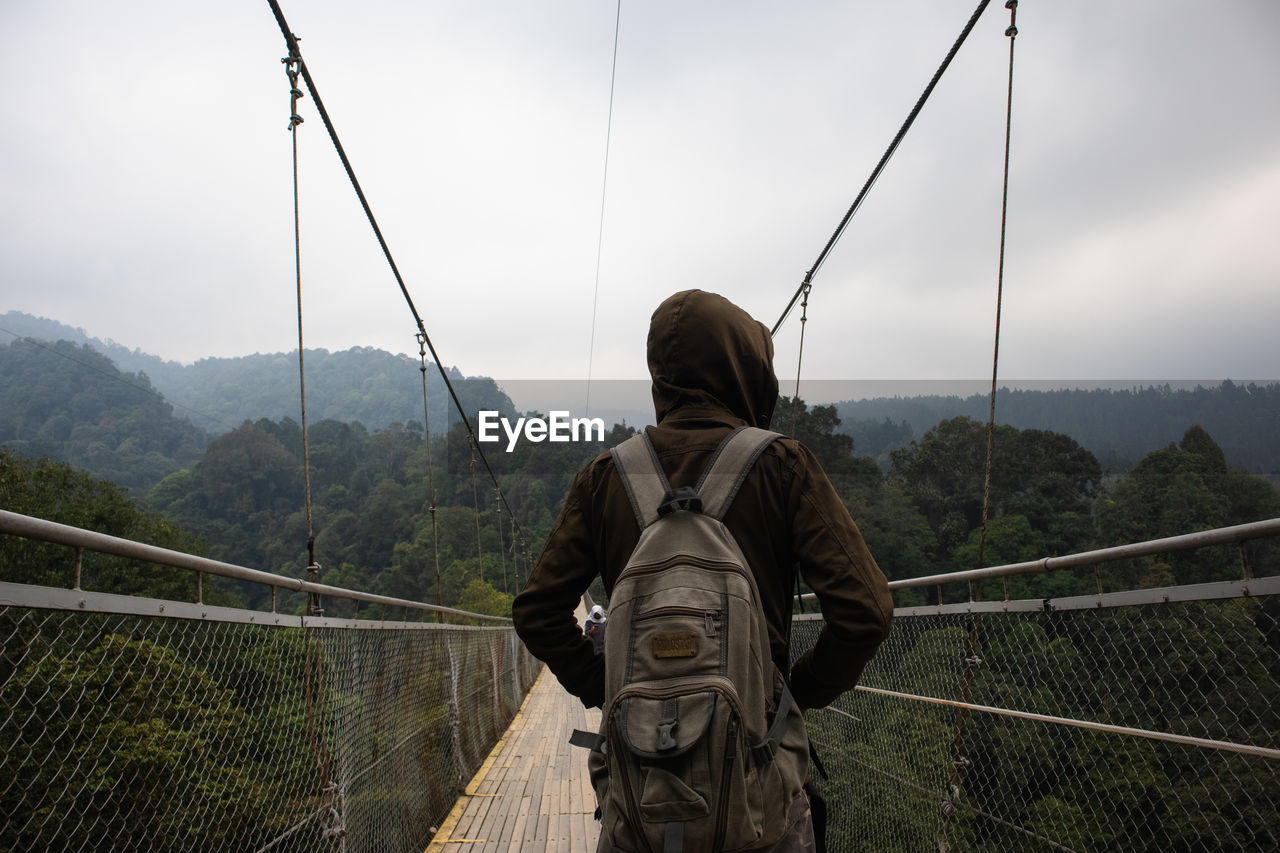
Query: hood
[708, 356]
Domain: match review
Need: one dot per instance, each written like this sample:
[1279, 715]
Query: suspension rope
[291, 69]
[1012, 33]
[292, 41]
[972, 659]
[431, 477]
[604, 188]
[502, 550]
[528, 557]
[475, 497]
[314, 680]
[795, 399]
[515, 557]
[875, 173]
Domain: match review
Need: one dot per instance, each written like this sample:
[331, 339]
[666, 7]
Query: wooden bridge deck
[532, 792]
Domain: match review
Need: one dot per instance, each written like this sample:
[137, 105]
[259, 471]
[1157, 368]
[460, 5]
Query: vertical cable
[795, 400]
[1012, 33]
[431, 477]
[502, 551]
[604, 188]
[291, 68]
[475, 497]
[515, 556]
[972, 659]
[314, 675]
[291, 41]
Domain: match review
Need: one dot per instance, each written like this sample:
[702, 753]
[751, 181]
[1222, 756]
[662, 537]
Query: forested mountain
[19, 325]
[1119, 427]
[70, 403]
[378, 388]
[361, 384]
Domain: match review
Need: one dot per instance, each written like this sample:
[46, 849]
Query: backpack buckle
[665, 728]
[684, 498]
[764, 752]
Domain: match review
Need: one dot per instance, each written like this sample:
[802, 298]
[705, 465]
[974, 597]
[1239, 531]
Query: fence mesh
[143, 733]
[1203, 669]
[138, 732]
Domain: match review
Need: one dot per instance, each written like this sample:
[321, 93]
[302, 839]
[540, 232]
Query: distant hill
[70, 403]
[362, 384]
[378, 388]
[1119, 427]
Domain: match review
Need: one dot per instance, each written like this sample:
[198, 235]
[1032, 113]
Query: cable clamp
[292, 63]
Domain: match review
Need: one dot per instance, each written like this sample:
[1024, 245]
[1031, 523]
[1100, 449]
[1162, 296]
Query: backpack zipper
[710, 618]
[683, 559]
[730, 750]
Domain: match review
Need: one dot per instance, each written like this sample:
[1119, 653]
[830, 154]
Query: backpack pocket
[680, 762]
[678, 633]
[667, 727]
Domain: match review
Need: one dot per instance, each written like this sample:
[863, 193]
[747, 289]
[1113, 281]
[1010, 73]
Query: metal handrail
[28, 527]
[1185, 542]
[1217, 536]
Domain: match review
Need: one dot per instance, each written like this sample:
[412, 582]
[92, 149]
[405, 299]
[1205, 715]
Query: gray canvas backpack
[701, 746]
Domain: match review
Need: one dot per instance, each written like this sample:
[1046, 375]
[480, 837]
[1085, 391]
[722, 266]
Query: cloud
[146, 180]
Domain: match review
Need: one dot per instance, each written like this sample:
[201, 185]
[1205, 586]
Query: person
[593, 627]
[711, 366]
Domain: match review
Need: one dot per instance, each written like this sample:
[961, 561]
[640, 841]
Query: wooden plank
[516, 831]
[532, 793]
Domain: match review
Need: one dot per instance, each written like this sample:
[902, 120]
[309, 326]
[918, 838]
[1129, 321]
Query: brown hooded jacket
[712, 369]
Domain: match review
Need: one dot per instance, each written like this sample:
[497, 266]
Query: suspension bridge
[983, 723]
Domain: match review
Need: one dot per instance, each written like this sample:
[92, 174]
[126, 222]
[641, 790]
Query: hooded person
[712, 369]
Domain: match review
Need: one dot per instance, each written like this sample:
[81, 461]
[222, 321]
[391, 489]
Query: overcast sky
[145, 180]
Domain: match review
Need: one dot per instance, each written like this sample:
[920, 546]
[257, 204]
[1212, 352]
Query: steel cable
[875, 173]
[292, 41]
[604, 188]
[972, 644]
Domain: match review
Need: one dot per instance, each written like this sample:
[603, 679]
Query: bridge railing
[147, 724]
[1141, 719]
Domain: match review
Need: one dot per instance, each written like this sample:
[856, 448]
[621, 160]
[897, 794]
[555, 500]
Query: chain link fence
[127, 732]
[1134, 720]
[1185, 753]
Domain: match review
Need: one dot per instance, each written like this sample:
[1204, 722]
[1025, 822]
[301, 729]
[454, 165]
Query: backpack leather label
[680, 645]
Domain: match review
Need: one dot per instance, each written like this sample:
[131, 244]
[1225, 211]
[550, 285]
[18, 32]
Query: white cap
[597, 614]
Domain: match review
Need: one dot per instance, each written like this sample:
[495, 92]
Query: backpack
[702, 747]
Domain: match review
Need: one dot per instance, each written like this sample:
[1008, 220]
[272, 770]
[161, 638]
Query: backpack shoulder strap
[642, 477]
[728, 468]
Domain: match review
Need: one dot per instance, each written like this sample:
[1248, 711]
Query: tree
[168, 727]
[55, 491]
[1181, 489]
[481, 597]
[1045, 477]
[71, 404]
